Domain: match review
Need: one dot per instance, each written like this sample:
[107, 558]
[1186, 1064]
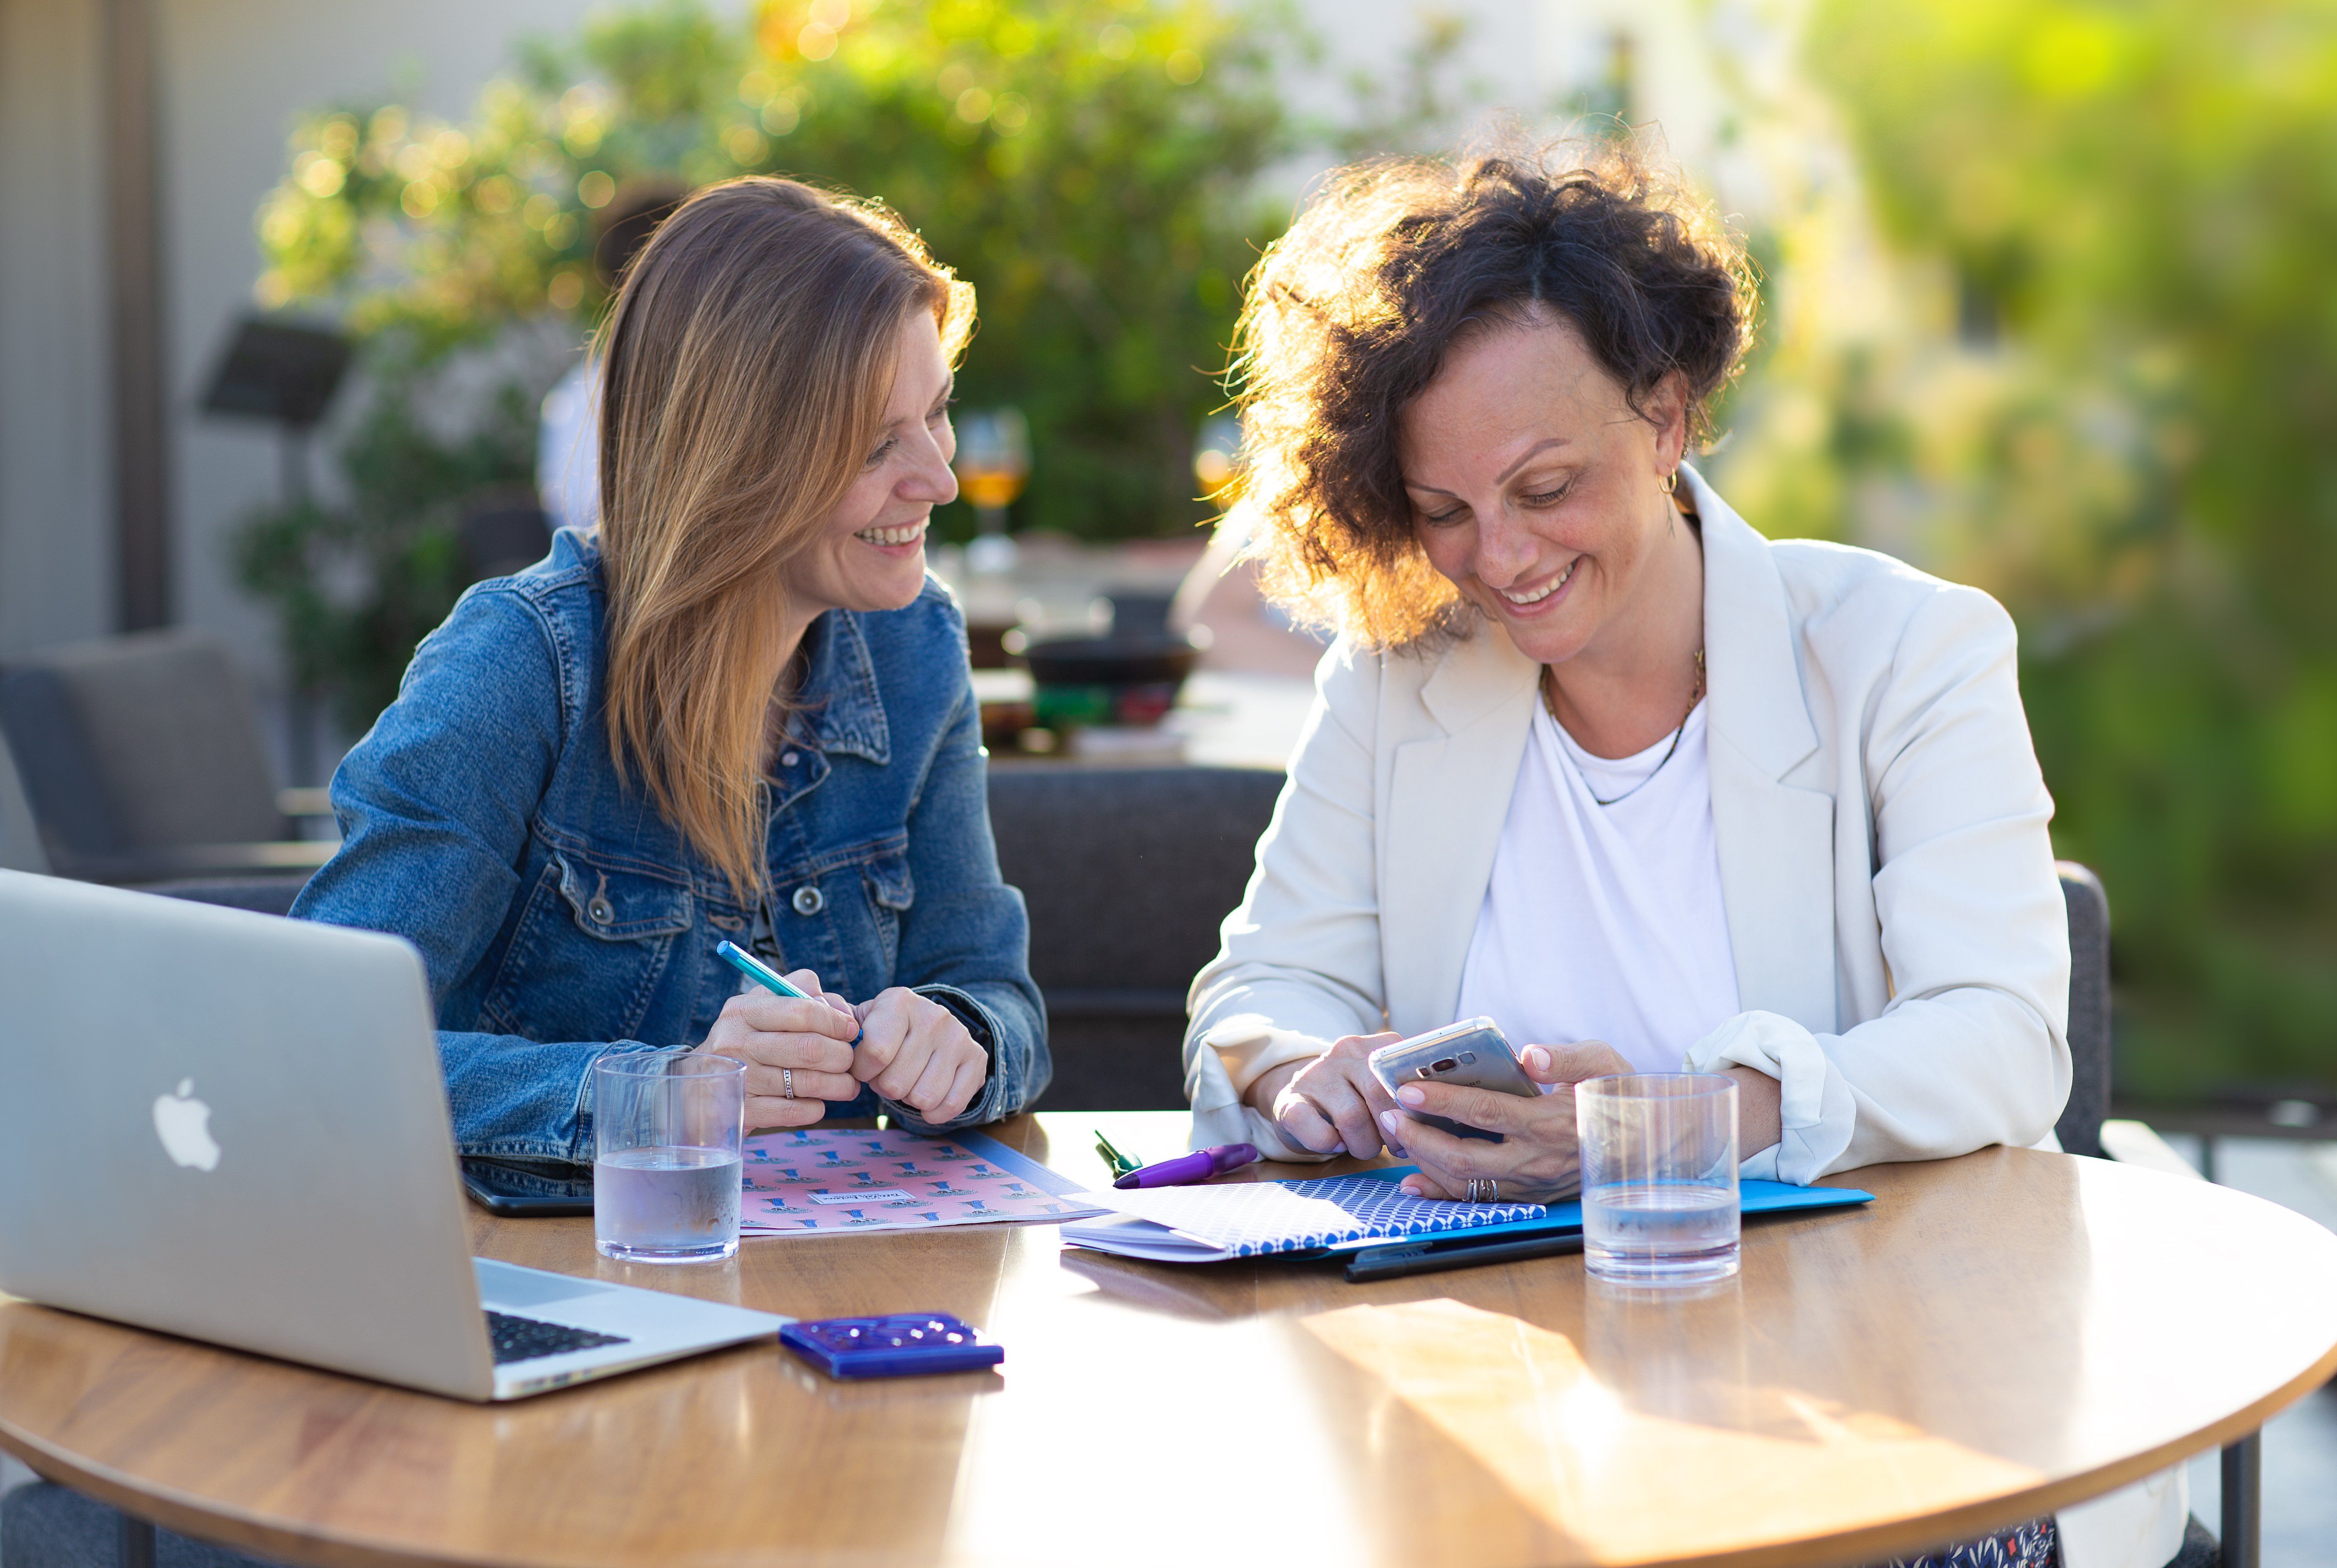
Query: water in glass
[1661, 1232]
[667, 1204]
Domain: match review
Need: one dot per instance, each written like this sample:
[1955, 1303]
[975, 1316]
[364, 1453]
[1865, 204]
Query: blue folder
[1566, 1219]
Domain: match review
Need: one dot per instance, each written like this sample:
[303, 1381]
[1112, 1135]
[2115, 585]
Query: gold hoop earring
[1671, 481]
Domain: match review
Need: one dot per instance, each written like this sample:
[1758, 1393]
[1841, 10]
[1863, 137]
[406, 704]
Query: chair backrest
[269, 894]
[2080, 1127]
[20, 837]
[503, 533]
[1127, 874]
[139, 742]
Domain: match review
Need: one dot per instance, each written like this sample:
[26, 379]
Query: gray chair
[1127, 874]
[2080, 1126]
[142, 759]
[501, 533]
[20, 837]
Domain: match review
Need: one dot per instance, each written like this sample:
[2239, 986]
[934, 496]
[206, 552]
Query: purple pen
[1198, 1166]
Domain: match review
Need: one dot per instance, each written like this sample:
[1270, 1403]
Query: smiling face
[870, 552]
[1538, 491]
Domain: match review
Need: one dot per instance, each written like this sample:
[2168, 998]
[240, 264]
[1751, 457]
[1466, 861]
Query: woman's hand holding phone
[1538, 1160]
[1331, 1103]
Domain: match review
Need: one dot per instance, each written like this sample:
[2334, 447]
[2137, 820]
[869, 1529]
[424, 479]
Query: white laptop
[232, 1127]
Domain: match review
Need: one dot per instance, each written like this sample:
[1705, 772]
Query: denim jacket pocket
[616, 904]
[588, 951]
[889, 882]
[891, 891]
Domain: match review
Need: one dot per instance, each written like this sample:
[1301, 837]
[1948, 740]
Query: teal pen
[763, 974]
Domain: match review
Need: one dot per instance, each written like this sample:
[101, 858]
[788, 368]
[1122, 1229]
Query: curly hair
[1351, 315]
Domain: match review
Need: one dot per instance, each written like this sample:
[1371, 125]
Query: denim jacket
[562, 918]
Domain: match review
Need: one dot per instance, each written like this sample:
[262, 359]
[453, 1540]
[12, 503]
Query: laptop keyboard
[527, 1338]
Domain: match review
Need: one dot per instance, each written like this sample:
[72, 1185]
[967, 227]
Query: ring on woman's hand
[786, 1083]
[1484, 1189]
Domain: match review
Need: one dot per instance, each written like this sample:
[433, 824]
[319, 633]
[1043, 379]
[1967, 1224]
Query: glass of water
[1659, 1203]
[666, 1169]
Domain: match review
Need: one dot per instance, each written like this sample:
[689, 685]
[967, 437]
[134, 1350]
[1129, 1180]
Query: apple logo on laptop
[184, 1123]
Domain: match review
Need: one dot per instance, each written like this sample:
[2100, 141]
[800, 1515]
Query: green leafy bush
[1087, 165]
[2135, 449]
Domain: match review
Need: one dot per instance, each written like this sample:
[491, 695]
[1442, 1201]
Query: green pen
[1121, 1164]
[763, 974]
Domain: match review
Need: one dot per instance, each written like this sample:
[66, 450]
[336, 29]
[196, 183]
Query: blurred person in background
[1594, 758]
[568, 436]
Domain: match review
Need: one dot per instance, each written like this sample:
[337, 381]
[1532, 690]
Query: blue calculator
[900, 1345]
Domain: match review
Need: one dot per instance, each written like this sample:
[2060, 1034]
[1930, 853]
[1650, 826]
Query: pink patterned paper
[825, 1182]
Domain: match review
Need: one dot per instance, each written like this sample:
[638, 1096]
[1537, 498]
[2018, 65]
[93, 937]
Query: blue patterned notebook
[1250, 1219]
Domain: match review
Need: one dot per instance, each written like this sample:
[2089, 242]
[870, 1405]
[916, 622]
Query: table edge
[175, 1511]
[180, 1511]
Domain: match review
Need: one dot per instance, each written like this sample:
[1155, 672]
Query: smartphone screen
[543, 1188]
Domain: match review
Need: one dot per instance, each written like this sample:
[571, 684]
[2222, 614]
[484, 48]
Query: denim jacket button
[790, 760]
[602, 911]
[809, 901]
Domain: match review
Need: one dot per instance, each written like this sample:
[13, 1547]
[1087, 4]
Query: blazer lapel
[1776, 841]
[1448, 796]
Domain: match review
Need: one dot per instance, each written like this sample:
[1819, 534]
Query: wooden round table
[1993, 1338]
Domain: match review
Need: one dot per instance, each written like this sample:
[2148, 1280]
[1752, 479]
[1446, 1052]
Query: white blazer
[1901, 944]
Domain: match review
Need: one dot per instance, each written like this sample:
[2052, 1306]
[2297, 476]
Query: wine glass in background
[993, 459]
[1216, 459]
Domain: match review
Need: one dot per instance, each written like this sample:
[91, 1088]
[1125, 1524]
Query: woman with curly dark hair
[1591, 756]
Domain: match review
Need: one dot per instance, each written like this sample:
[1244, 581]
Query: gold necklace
[1549, 705]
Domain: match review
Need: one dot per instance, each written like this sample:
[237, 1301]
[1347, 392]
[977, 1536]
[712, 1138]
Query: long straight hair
[745, 372]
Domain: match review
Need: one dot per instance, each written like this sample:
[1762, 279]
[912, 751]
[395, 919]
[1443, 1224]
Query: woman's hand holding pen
[789, 1043]
[1538, 1160]
[916, 1053]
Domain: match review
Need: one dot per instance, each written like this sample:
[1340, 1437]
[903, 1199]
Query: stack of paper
[1182, 1230]
[1251, 1218]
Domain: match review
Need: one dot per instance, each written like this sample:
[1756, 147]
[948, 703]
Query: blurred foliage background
[2061, 329]
[1087, 165]
[2120, 416]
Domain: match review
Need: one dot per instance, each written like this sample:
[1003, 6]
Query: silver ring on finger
[786, 1083]
[1484, 1189]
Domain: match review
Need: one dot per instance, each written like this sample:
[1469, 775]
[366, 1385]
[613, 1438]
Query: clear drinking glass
[666, 1166]
[1659, 1201]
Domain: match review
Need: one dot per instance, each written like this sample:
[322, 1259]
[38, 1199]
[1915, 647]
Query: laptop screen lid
[231, 1126]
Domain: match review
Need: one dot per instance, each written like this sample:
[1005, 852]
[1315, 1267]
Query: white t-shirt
[1605, 922]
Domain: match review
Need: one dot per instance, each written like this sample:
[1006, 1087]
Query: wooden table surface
[1994, 1337]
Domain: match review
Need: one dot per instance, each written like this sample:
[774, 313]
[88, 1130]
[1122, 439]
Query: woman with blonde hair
[737, 709]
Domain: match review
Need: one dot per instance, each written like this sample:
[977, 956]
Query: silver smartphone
[1473, 1053]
